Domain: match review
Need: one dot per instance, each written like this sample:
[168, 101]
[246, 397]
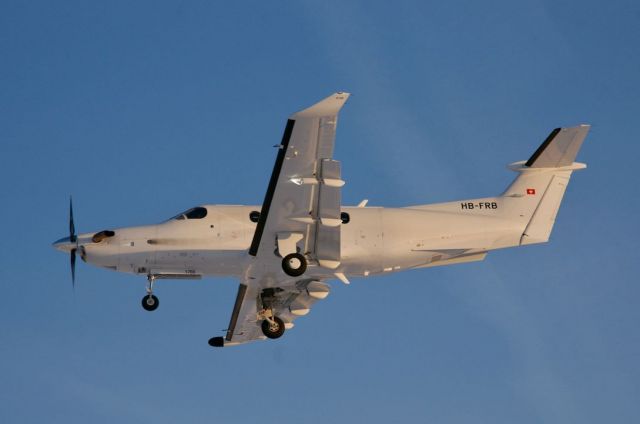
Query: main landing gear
[294, 264]
[149, 301]
[273, 327]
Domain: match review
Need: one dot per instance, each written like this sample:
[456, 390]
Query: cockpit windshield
[194, 213]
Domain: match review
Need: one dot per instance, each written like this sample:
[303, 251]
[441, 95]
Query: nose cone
[64, 244]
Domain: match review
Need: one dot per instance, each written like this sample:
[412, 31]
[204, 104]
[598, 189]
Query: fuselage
[374, 240]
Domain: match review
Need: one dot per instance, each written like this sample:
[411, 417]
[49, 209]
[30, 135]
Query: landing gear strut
[149, 301]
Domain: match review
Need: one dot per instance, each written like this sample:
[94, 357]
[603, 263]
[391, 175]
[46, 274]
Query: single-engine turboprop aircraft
[286, 250]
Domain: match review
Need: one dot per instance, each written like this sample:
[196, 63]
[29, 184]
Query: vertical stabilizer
[537, 192]
[539, 228]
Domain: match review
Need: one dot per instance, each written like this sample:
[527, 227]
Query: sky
[143, 109]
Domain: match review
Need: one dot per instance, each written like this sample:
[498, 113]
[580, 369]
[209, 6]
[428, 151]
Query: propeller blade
[72, 227]
[73, 268]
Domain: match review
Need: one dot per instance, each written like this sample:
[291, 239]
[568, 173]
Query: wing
[300, 213]
[301, 210]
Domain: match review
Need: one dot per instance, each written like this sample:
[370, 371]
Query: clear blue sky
[142, 110]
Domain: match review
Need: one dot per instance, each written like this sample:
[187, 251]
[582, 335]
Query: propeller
[73, 239]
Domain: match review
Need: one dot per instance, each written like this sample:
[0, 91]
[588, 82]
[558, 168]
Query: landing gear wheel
[150, 302]
[274, 329]
[294, 264]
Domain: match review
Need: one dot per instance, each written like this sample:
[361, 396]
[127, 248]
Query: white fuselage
[375, 240]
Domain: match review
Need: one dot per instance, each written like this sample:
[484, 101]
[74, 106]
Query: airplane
[285, 251]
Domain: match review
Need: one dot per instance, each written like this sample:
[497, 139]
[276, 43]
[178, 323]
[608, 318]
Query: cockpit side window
[194, 213]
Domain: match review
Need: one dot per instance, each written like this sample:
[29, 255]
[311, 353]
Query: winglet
[327, 107]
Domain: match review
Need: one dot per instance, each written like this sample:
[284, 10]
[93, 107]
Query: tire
[273, 331]
[294, 264]
[150, 302]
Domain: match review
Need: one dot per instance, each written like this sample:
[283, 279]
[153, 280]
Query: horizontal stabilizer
[560, 148]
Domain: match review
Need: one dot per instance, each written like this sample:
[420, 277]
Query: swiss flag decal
[531, 191]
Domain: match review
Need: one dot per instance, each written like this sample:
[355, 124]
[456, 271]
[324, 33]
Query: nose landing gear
[149, 301]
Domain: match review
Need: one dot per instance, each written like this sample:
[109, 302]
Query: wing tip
[216, 342]
[328, 106]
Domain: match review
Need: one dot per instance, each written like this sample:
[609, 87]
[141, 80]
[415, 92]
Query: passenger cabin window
[194, 213]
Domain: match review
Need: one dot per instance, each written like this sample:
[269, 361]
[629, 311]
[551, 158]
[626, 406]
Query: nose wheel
[150, 302]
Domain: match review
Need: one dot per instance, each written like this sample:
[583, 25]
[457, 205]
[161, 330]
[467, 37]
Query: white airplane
[285, 251]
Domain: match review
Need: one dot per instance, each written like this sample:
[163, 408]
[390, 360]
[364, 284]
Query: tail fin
[537, 192]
